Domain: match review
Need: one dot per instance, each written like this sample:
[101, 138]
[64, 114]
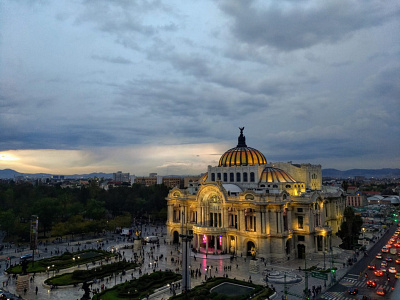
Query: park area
[64, 261]
[226, 289]
[139, 288]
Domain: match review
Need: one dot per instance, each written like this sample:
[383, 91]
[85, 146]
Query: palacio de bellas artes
[247, 206]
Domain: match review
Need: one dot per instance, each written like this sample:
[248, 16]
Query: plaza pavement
[238, 268]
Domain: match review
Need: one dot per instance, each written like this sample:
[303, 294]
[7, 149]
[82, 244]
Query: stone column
[268, 222]
[236, 245]
[215, 243]
[258, 222]
[206, 243]
[241, 222]
[198, 242]
[278, 225]
[289, 218]
[170, 213]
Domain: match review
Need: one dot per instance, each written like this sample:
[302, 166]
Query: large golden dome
[241, 155]
[271, 174]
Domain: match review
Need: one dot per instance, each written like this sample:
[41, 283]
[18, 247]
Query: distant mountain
[10, 174]
[368, 173]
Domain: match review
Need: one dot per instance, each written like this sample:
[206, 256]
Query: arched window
[218, 176]
[238, 177]
[212, 176]
[225, 177]
[245, 177]
[231, 177]
[252, 178]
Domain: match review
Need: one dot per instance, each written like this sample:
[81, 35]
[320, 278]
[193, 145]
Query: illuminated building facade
[245, 204]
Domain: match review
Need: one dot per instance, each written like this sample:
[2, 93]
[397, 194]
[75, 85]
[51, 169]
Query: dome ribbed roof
[241, 155]
[271, 174]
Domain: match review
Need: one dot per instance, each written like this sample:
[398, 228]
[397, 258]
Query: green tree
[48, 210]
[95, 209]
[8, 221]
[350, 228]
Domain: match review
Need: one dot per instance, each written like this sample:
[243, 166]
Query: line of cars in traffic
[389, 253]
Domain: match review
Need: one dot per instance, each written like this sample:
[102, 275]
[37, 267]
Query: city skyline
[162, 86]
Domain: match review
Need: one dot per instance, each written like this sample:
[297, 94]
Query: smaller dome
[271, 174]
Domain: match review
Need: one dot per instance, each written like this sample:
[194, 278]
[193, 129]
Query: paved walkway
[210, 265]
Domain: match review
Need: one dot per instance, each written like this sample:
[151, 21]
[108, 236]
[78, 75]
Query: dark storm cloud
[303, 24]
[386, 85]
[112, 59]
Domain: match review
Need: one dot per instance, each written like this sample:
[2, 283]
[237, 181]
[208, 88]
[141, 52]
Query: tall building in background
[246, 205]
[121, 177]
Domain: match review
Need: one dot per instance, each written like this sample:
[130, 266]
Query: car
[378, 273]
[383, 269]
[373, 267]
[381, 291]
[28, 256]
[389, 258]
[353, 291]
[379, 255]
[397, 275]
[384, 263]
[392, 270]
[392, 239]
[371, 283]
[384, 249]
[397, 260]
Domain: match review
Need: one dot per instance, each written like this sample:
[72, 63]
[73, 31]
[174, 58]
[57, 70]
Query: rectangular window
[245, 177]
[231, 177]
[236, 221]
[300, 222]
[225, 177]
[218, 176]
[212, 176]
[300, 209]
[211, 220]
[238, 177]
[301, 238]
[252, 177]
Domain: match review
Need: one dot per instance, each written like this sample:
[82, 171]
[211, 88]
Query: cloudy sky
[162, 86]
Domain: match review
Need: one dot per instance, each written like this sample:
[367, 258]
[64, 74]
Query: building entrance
[301, 251]
[176, 237]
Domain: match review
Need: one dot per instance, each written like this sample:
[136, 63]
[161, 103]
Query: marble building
[247, 206]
